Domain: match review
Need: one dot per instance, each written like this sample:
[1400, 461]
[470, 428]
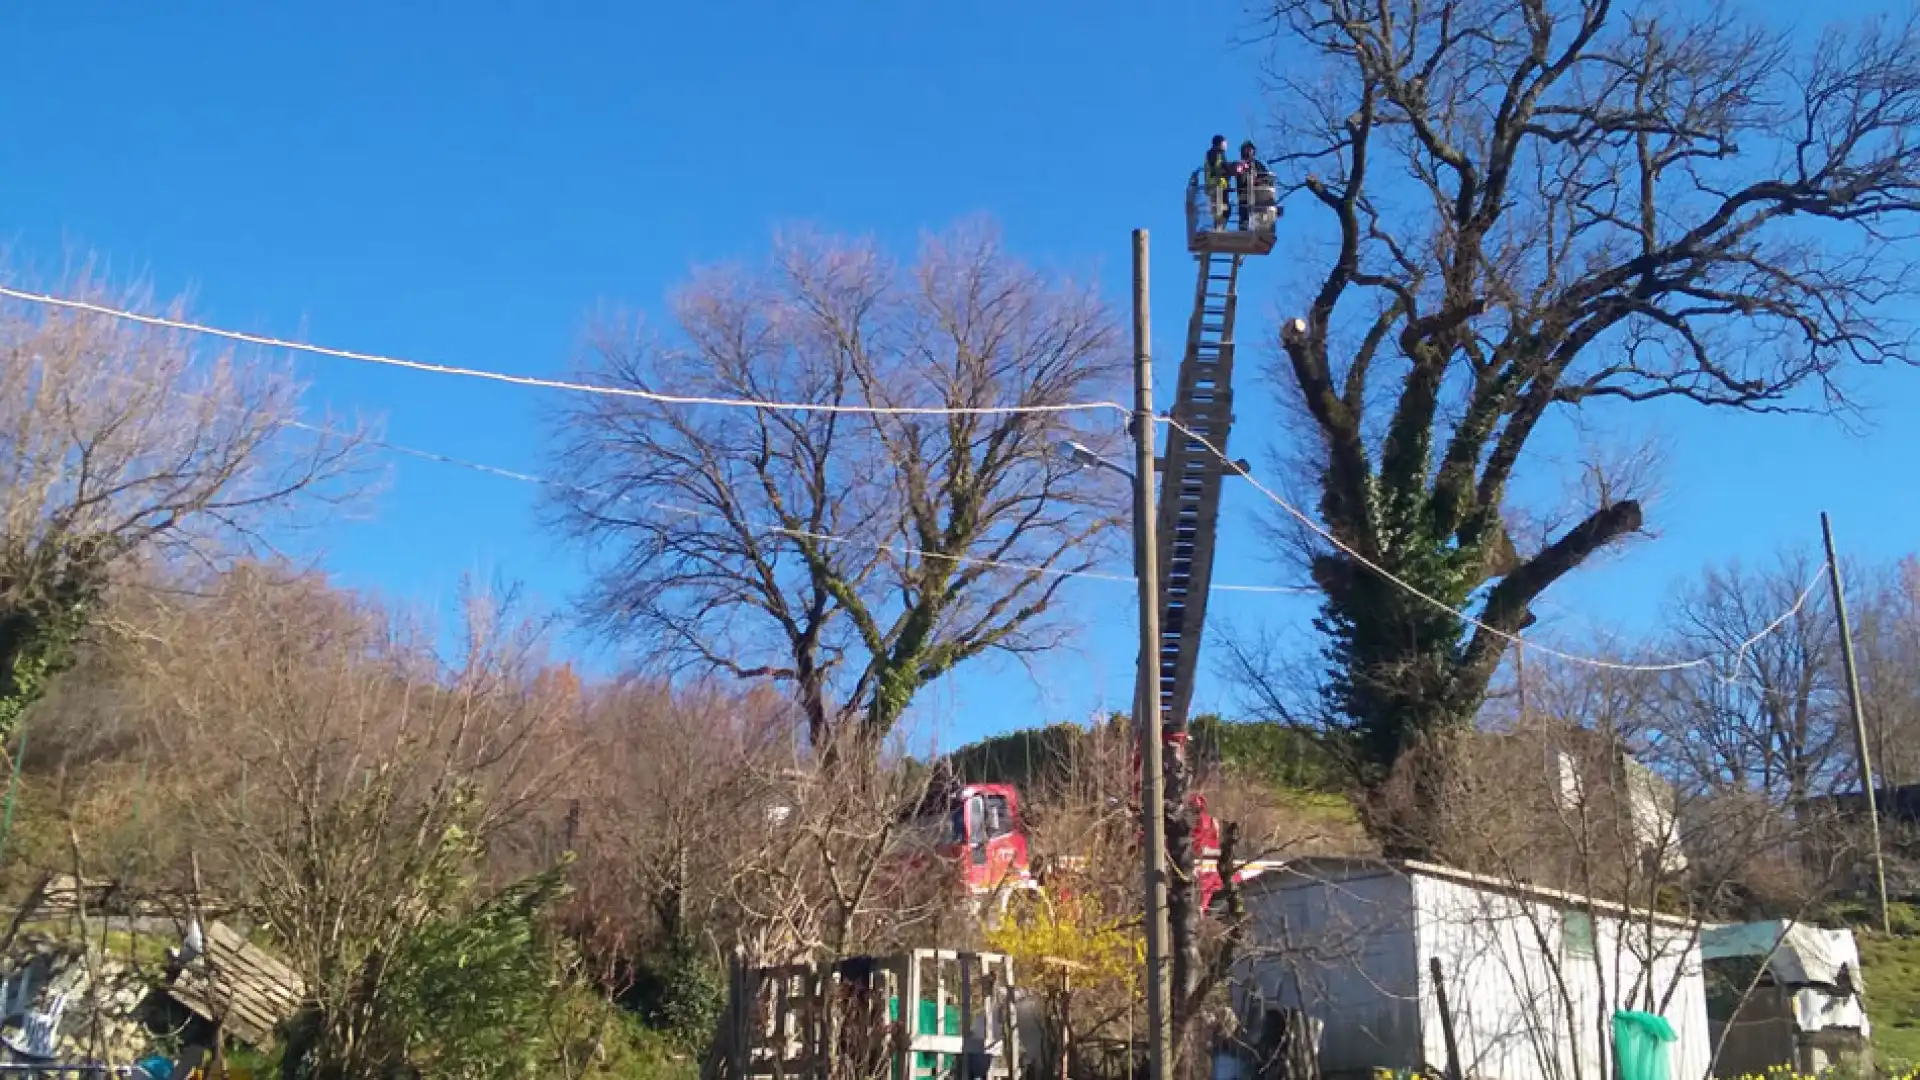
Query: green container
[930, 1022]
[1640, 1042]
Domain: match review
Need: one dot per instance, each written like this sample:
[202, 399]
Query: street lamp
[1080, 454]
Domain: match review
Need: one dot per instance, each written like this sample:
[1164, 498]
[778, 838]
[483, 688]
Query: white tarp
[1809, 962]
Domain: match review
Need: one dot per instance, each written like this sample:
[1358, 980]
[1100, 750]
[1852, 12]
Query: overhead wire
[539, 382]
[896, 549]
[1511, 638]
[266, 341]
[1729, 676]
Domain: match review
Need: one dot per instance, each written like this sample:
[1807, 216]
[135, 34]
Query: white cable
[1513, 639]
[877, 410]
[1740, 654]
[792, 406]
[550, 384]
[1730, 678]
[897, 549]
[493, 470]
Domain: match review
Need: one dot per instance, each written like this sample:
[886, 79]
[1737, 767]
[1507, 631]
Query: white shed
[1532, 976]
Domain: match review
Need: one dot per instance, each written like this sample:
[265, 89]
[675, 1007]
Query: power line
[510, 474]
[1511, 638]
[881, 410]
[544, 383]
[1729, 677]
[897, 549]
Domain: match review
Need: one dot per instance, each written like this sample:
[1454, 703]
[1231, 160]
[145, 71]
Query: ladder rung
[1190, 499]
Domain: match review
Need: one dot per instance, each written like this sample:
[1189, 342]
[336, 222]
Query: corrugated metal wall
[1342, 951]
[1532, 989]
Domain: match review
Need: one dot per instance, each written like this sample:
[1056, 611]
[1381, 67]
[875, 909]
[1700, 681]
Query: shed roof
[1349, 866]
[1798, 954]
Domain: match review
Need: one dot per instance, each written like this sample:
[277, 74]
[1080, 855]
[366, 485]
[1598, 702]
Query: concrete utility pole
[1859, 719]
[1146, 698]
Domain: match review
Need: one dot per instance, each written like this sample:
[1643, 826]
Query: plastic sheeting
[1821, 968]
[1808, 955]
[1640, 1042]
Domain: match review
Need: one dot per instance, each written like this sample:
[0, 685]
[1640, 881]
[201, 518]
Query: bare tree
[841, 857]
[1078, 943]
[1085, 828]
[854, 557]
[1539, 205]
[1887, 638]
[1770, 716]
[665, 811]
[349, 780]
[1771, 722]
[122, 441]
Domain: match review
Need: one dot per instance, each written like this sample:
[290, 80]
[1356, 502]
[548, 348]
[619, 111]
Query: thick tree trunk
[1183, 892]
[813, 703]
[1407, 673]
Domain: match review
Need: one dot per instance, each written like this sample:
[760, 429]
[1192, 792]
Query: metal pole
[1859, 719]
[1146, 712]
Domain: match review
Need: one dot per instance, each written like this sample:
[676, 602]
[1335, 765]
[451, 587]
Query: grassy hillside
[1890, 968]
[1280, 757]
[1031, 760]
[1277, 781]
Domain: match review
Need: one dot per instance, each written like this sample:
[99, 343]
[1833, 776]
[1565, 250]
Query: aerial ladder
[1190, 472]
[992, 845]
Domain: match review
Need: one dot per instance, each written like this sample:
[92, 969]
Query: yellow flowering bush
[1784, 1072]
[1083, 963]
[1101, 951]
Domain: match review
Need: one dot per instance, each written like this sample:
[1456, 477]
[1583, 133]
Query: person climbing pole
[1219, 170]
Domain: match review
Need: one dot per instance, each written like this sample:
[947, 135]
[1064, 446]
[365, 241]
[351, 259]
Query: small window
[999, 817]
[1576, 934]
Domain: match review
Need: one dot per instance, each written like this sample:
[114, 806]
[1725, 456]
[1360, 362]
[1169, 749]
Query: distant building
[1594, 770]
[1561, 805]
[1898, 806]
[1834, 832]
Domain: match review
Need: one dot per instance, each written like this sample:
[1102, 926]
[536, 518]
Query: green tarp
[926, 1065]
[1640, 1042]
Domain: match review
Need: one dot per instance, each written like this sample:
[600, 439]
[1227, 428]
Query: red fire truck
[979, 828]
[979, 824]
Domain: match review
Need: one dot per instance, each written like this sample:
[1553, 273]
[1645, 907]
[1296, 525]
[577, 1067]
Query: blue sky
[468, 183]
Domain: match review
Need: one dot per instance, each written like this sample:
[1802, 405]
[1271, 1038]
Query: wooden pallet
[239, 986]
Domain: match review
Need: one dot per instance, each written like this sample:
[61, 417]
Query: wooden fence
[910, 1016]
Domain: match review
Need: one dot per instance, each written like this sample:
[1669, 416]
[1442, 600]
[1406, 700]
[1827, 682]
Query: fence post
[736, 1018]
[1446, 1019]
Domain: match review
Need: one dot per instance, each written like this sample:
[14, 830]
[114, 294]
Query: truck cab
[978, 829]
[986, 837]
